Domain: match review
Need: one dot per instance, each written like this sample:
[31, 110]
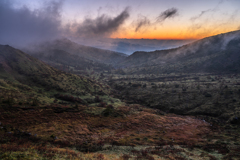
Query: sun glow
[172, 33]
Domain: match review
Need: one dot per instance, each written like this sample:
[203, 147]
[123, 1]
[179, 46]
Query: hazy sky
[150, 19]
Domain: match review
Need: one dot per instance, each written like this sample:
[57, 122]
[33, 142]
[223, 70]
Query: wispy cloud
[141, 22]
[200, 15]
[169, 13]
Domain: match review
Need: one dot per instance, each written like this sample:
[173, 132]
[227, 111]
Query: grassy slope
[30, 71]
[128, 131]
[67, 61]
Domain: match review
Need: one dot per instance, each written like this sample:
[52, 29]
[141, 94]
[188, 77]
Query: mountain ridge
[90, 53]
[206, 48]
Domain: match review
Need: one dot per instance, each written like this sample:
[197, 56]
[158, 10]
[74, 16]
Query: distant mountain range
[128, 46]
[220, 53]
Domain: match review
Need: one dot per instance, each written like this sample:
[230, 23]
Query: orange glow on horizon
[169, 34]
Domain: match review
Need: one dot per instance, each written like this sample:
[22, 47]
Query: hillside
[21, 72]
[90, 53]
[66, 61]
[218, 53]
[46, 113]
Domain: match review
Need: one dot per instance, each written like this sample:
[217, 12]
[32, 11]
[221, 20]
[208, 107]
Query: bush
[184, 89]
[107, 112]
[110, 111]
[102, 104]
[90, 100]
[100, 157]
[97, 99]
[35, 102]
[235, 120]
[69, 98]
[126, 157]
[136, 85]
[208, 95]
[89, 147]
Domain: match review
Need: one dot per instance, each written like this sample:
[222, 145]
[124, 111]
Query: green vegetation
[157, 111]
[185, 94]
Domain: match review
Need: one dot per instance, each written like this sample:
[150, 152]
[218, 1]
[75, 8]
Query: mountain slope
[90, 53]
[211, 54]
[66, 61]
[22, 68]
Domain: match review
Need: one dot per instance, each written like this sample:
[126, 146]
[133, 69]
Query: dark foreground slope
[218, 53]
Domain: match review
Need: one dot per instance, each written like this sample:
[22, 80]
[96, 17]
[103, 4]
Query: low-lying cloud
[100, 26]
[169, 13]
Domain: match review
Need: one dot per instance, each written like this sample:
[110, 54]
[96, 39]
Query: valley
[59, 102]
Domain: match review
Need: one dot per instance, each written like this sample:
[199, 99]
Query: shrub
[126, 157]
[69, 98]
[35, 102]
[102, 104]
[100, 157]
[184, 89]
[208, 95]
[97, 99]
[107, 112]
[89, 147]
[110, 111]
[138, 139]
[136, 85]
[235, 120]
[144, 153]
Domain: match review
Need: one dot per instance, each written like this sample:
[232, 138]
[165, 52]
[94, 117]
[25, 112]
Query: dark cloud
[238, 28]
[170, 13]
[22, 25]
[101, 26]
[142, 21]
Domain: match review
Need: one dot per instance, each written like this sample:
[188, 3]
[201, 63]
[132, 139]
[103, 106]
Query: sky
[23, 21]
